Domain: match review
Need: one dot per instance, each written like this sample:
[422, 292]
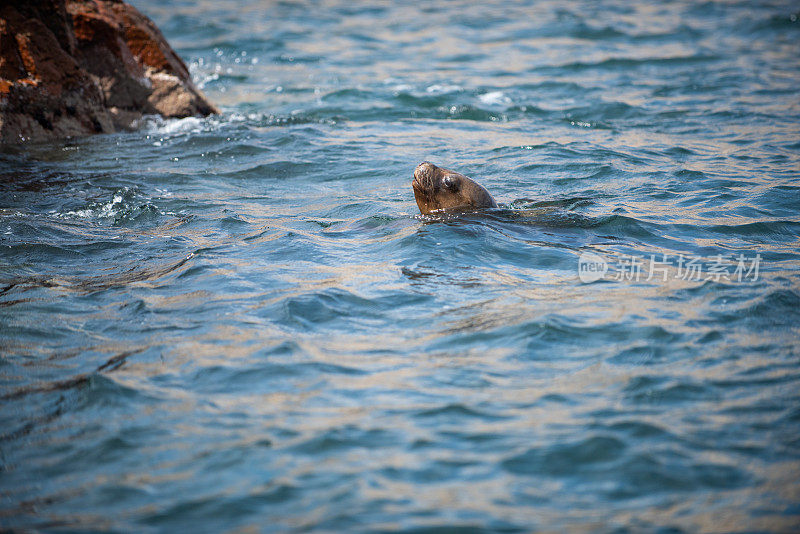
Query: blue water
[242, 323]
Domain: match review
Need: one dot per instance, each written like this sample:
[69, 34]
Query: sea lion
[437, 189]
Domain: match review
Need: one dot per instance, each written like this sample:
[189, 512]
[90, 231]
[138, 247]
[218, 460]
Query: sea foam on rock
[76, 67]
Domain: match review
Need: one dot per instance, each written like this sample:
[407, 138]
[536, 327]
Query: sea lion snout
[424, 167]
[424, 182]
[423, 171]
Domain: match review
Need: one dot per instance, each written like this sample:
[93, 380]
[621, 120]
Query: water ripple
[243, 320]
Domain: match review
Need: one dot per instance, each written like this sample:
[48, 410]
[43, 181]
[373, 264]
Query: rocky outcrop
[76, 67]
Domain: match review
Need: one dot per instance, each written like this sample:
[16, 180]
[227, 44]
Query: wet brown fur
[438, 189]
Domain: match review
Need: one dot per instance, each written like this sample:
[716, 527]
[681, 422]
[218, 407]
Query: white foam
[157, 125]
[187, 125]
[102, 211]
[494, 98]
[438, 89]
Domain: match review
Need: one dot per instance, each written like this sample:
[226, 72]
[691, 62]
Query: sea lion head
[439, 189]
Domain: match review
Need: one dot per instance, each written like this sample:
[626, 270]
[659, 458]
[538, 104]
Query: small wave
[440, 89]
[567, 458]
[494, 98]
[569, 203]
[555, 214]
[157, 124]
[472, 113]
[633, 62]
[126, 205]
[90, 284]
[80, 380]
[776, 230]
[274, 169]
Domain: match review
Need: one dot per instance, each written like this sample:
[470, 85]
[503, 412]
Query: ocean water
[242, 323]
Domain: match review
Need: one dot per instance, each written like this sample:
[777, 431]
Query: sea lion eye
[450, 182]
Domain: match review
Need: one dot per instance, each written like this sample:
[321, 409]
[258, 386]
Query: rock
[76, 67]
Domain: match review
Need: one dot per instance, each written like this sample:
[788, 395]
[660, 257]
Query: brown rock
[75, 67]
